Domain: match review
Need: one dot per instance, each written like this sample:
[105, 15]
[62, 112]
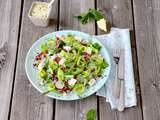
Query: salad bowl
[33, 74]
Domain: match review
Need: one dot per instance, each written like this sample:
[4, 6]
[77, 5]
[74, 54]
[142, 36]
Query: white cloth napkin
[119, 38]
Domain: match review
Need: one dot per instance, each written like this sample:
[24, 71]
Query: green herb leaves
[91, 114]
[90, 15]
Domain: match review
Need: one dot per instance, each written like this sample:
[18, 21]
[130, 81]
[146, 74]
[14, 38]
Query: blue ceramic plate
[33, 74]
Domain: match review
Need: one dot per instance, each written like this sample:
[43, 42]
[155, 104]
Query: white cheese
[67, 48]
[59, 84]
[41, 65]
[61, 62]
[64, 94]
[102, 24]
[72, 82]
[91, 82]
[89, 50]
[53, 57]
[78, 38]
[58, 55]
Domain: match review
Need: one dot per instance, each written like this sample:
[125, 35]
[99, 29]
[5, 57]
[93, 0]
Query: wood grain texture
[134, 113]
[27, 102]
[9, 23]
[119, 13]
[106, 113]
[147, 26]
[75, 110]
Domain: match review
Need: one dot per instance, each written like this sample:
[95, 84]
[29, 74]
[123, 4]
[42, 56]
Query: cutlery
[50, 3]
[121, 101]
[116, 86]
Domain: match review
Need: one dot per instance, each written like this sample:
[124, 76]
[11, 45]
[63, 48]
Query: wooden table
[20, 101]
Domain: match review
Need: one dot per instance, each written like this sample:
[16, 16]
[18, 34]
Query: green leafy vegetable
[90, 15]
[96, 46]
[71, 66]
[60, 74]
[79, 88]
[91, 114]
[42, 73]
[43, 47]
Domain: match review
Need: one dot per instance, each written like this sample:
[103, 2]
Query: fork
[121, 101]
[116, 87]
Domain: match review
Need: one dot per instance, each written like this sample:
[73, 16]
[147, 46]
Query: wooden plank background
[147, 17]
[20, 101]
[9, 30]
[28, 103]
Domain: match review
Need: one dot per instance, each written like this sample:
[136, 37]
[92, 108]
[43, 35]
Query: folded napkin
[119, 38]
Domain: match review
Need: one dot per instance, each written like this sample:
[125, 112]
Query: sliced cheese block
[102, 24]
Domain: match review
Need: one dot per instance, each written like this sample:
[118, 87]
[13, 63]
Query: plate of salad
[68, 65]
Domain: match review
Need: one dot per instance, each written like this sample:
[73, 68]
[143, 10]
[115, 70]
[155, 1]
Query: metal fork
[116, 87]
[121, 75]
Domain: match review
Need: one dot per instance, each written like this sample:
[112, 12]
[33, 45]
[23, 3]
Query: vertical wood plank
[28, 103]
[9, 23]
[147, 28]
[119, 13]
[75, 110]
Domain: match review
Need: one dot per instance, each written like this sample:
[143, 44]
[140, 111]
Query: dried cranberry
[66, 83]
[86, 55]
[65, 50]
[65, 89]
[35, 65]
[54, 78]
[63, 68]
[57, 59]
[57, 42]
[39, 56]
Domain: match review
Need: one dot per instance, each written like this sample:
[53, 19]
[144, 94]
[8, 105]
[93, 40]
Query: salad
[69, 64]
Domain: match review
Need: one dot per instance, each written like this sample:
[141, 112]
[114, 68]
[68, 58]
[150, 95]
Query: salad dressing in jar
[39, 13]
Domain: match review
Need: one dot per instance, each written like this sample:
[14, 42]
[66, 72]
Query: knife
[121, 100]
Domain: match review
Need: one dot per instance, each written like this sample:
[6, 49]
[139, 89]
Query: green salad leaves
[69, 64]
[90, 15]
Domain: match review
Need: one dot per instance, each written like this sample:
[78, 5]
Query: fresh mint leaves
[90, 15]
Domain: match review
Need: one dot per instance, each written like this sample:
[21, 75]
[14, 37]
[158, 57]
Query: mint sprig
[90, 15]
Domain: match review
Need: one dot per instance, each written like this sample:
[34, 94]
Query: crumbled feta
[84, 41]
[91, 82]
[64, 94]
[61, 62]
[59, 84]
[78, 38]
[72, 82]
[41, 65]
[58, 55]
[58, 36]
[89, 50]
[67, 48]
[53, 57]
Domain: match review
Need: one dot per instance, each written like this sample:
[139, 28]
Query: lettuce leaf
[60, 74]
[96, 46]
[79, 88]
